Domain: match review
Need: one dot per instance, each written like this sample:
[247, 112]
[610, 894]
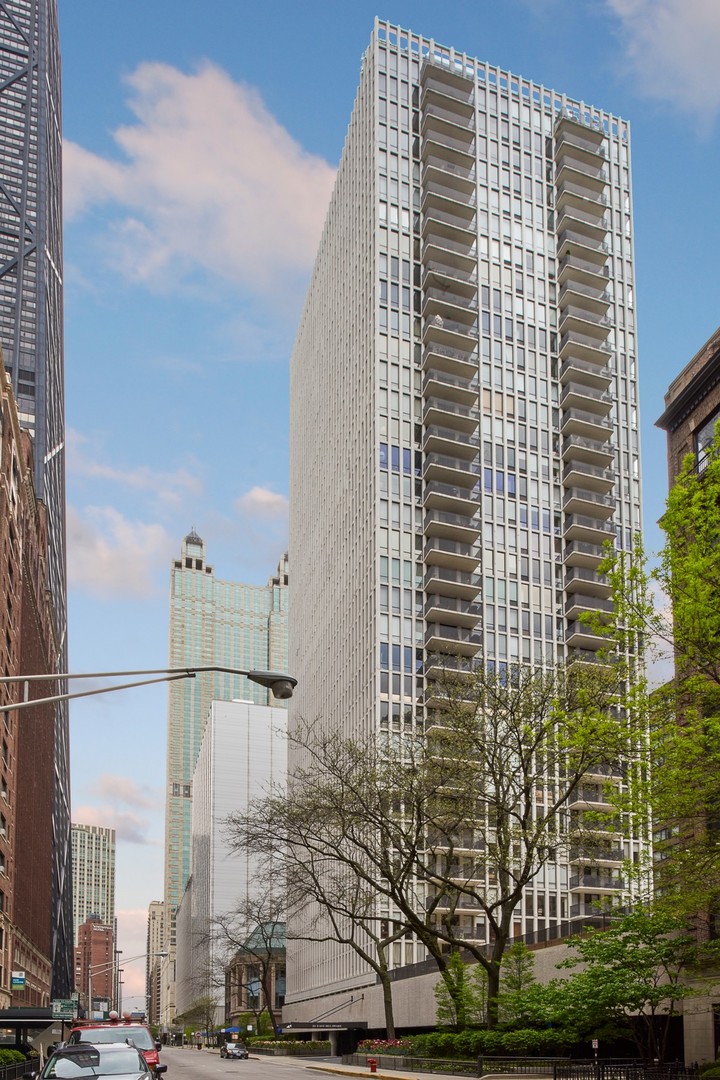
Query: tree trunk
[387, 1002]
[493, 989]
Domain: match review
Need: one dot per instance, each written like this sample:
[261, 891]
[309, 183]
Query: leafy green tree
[383, 837]
[461, 994]
[635, 974]
[671, 602]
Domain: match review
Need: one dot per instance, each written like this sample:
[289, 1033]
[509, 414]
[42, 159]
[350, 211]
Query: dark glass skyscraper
[31, 333]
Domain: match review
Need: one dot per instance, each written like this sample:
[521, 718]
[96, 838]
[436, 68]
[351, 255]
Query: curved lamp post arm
[278, 682]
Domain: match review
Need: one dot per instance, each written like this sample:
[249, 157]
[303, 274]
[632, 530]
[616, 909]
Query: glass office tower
[211, 622]
[31, 334]
[464, 417]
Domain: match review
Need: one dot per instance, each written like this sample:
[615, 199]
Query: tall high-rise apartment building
[31, 334]
[464, 417]
[93, 874]
[153, 964]
[211, 622]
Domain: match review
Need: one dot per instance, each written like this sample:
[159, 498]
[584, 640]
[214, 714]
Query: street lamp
[99, 969]
[279, 683]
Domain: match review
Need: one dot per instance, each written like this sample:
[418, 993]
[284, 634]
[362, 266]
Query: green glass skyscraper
[211, 622]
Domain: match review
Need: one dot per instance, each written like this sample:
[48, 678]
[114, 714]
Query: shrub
[385, 1046]
[712, 1072]
[11, 1057]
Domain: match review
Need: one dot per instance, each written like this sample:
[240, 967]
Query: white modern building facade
[243, 753]
[93, 874]
[464, 417]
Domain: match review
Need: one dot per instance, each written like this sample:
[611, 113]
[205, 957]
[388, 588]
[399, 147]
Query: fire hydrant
[372, 1062]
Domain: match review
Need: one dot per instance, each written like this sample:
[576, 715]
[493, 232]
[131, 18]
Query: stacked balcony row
[451, 470]
[584, 323]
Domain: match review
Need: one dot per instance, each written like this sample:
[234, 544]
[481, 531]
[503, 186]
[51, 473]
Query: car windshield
[115, 1061]
[138, 1036]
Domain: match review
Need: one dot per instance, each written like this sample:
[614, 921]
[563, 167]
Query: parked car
[117, 1030]
[234, 1050]
[118, 1059]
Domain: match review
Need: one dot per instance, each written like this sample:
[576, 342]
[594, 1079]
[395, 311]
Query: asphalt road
[190, 1064]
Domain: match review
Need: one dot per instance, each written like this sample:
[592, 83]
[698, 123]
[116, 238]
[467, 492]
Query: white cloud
[209, 180]
[111, 555]
[123, 789]
[170, 487]
[672, 47]
[263, 505]
[130, 827]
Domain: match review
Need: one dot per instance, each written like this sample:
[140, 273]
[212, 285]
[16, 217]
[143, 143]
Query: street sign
[17, 978]
[322, 1025]
[63, 1009]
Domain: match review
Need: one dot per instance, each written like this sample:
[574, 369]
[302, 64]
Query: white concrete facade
[243, 751]
[464, 417]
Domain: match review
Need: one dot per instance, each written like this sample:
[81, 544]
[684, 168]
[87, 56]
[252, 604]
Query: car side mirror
[29, 1076]
[159, 1069]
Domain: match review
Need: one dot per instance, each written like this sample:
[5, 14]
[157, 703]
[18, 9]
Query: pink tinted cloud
[208, 180]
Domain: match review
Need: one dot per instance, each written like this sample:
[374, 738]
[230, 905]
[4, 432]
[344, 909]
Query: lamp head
[280, 685]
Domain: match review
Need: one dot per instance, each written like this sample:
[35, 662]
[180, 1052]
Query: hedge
[468, 1044]
[11, 1057]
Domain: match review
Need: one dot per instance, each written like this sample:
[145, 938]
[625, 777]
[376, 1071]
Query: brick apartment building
[27, 646]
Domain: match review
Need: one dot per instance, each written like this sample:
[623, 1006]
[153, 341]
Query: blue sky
[200, 148]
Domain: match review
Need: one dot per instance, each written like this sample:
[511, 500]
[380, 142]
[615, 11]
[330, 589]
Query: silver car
[119, 1060]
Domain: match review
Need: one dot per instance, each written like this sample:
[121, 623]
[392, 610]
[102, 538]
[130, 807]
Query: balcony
[438, 192]
[451, 470]
[585, 140]
[449, 304]
[593, 503]
[443, 413]
[590, 797]
[571, 168]
[453, 526]
[587, 581]
[583, 554]
[579, 604]
[458, 583]
[454, 610]
[440, 248]
[593, 451]
[458, 640]
[591, 477]
[586, 424]
[591, 225]
[451, 554]
[451, 359]
[444, 222]
[449, 497]
[588, 398]
[459, 388]
[572, 242]
[584, 321]
[454, 278]
[571, 193]
[441, 79]
[580, 636]
[593, 854]
[439, 107]
[450, 332]
[586, 372]
[440, 140]
[584, 295]
[572, 267]
[461, 177]
[450, 441]
[596, 883]
[589, 529]
[584, 347]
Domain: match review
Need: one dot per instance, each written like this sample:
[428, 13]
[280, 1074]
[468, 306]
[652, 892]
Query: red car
[118, 1029]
